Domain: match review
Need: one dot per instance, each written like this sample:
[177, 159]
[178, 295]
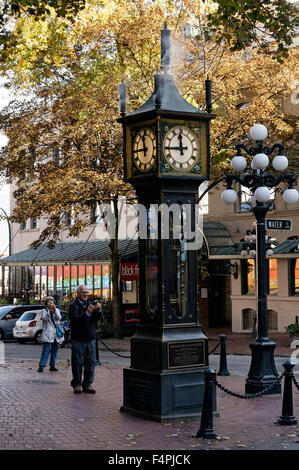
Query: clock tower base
[166, 379]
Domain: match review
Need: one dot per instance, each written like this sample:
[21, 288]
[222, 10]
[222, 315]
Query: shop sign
[129, 271]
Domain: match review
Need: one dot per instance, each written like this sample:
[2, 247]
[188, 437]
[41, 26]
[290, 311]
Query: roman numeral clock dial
[144, 149]
[181, 148]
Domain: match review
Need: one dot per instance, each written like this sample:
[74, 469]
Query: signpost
[278, 224]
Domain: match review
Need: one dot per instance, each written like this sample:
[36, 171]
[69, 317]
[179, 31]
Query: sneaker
[53, 369]
[40, 369]
[78, 389]
[89, 389]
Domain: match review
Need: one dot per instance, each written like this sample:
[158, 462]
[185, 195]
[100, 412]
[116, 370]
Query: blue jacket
[83, 327]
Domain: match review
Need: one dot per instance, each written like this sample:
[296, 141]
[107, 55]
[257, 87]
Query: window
[244, 199]
[248, 276]
[248, 316]
[245, 204]
[23, 225]
[203, 206]
[294, 276]
[27, 316]
[272, 276]
[68, 219]
[33, 223]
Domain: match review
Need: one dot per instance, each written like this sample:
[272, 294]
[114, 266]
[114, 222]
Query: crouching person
[84, 316]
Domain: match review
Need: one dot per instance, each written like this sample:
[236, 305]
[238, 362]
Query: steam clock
[166, 157]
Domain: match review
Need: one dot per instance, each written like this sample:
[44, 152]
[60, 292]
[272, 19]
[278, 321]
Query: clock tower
[166, 157]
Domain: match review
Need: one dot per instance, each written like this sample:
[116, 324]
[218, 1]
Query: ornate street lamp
[262, 372]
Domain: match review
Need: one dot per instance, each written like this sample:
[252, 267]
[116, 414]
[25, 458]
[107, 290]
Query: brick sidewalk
[40, 411]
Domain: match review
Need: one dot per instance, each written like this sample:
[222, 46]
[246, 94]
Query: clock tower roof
[166, 98]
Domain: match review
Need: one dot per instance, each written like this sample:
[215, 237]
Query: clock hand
[180, 147]
[144, 149]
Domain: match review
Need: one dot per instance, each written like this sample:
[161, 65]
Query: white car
[29, 327]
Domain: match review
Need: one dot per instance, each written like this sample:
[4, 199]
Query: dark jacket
[83, 327]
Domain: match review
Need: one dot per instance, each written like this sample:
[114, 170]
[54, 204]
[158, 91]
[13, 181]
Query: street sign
[279, 224]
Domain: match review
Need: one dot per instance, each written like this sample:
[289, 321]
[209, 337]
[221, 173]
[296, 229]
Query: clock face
[144, 149]
[181, 148]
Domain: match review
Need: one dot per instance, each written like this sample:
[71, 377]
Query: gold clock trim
[144, 164]
[194, 158]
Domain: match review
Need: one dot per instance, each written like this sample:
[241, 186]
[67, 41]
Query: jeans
[83, 356]
[47, 349]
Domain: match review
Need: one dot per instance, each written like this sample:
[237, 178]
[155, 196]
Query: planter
[293, 337]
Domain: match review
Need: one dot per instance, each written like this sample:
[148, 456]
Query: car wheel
[38, 337]
[1, 335]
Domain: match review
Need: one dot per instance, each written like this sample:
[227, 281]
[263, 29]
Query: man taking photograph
[84, 316]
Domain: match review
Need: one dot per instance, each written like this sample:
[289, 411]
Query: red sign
[131, 315]
[129, 271]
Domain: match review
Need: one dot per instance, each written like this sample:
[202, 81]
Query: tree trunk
[115, 276]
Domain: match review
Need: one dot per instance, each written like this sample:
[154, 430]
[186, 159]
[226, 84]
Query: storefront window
[50, 280]
[44, 281]
[248, 276]
[73, 278]
[81, 275]
[37, 282]
[105, 282]
[89, 275]
[273, 284]
[66, 280]
[59, 282]
[97, 282]
[294, 277]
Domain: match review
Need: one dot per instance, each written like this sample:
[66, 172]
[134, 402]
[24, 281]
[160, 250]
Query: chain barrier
[111, 350]
[248, 395]
[211, 352]
[295, 382]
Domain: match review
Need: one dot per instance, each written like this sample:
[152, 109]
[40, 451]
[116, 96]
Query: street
[238, 365]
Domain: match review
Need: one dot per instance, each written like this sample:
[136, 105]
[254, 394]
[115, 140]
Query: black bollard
[287, 417]
[206, 424]
[223, 364]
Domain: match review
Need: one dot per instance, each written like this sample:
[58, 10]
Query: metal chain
[111, 350]
[211, 352]
[295, 382]
[247, 395]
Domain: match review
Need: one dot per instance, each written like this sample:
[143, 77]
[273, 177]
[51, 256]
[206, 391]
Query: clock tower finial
[165, 48]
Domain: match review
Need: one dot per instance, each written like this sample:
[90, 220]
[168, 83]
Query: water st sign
[278, 224]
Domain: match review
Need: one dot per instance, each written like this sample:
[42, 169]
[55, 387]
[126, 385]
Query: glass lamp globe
[260, 161]
[229, 196]
[269, 252]
[239, 163]
[244, 253]
[252, 253]
[291, 195]
[280, 163]
[262, 194]
[247, 238]
[258, 132]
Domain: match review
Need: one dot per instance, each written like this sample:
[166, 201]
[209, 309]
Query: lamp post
[262, 371]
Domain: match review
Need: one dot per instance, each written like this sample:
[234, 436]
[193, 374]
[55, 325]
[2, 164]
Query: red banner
[129, 271]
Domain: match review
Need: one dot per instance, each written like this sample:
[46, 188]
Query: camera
[93, 302]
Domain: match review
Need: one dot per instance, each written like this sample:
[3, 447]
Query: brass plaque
[186, 354]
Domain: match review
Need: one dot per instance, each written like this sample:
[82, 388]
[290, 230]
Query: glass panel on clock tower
[178, 265]
[151, 266]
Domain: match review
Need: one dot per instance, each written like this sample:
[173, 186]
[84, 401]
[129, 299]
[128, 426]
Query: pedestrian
[50, 339]
[84, 316]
